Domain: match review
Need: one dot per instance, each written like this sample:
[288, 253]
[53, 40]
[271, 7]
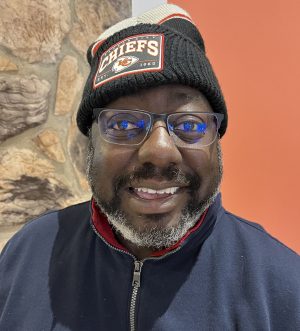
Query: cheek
[109, 162]
[204, 162]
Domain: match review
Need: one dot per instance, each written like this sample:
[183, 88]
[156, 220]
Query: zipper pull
[136, 281]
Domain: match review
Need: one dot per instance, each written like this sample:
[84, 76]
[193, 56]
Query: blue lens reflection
[201, 127]
[187, 126]
[124, 124]
[141, 124]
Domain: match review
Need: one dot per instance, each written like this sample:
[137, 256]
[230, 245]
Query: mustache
[149, 171]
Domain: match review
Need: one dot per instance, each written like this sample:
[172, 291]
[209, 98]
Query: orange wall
[254, 47]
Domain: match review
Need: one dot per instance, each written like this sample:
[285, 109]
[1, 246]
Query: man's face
[153, 193]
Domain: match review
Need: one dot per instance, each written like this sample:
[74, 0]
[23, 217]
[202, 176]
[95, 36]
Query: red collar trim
[102, 226]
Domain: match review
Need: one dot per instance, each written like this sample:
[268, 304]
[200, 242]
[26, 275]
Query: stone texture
[29, 187]
[34, 29]
[23, 104]
[7, 65]
[6, 232]
[77, 147]
[49, 142]
[69, 85]
[94, 17]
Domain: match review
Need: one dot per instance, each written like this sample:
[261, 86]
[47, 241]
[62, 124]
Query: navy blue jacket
[57, 273]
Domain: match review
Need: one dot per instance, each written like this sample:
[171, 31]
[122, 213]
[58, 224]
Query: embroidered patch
[134, 54]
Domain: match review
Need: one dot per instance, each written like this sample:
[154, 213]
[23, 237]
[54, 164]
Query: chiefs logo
[124, 62]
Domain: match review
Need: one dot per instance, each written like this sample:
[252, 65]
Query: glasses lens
[193, 130]
[124, 127]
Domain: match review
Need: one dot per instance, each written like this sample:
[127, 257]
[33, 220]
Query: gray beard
[154, 237]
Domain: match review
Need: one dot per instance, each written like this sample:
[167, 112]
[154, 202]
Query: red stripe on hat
[96, 47]
[173, 16]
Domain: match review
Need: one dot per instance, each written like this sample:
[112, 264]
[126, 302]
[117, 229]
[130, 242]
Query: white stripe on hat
[156, 15]
[141, 6]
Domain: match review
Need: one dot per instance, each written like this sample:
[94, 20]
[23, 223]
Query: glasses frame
[154, 118]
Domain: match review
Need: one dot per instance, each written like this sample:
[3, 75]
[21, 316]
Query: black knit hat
[160, 47]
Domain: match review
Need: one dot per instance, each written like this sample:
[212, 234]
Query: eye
[190, 126]
[126, 124]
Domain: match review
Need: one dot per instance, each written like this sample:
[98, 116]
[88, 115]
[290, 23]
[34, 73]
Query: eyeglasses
[131, 127]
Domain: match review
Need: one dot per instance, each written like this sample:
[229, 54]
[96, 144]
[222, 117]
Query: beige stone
[34, 29]
[69, 85]
[94, 17]
[6, 232]
[7, 65]
[49, 142]
[29, 187]
[24, 104]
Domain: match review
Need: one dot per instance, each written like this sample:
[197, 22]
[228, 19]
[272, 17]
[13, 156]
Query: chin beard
[154, 237]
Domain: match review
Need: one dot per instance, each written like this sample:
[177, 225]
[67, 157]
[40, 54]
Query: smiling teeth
[170, 190]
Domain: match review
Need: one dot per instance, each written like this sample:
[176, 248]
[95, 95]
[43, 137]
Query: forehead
[164, 99]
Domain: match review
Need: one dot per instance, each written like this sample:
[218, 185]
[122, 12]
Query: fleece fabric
[59, 273]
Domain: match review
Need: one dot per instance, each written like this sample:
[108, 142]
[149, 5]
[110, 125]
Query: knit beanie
[161, 46]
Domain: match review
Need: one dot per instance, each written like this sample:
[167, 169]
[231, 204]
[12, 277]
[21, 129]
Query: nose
[159, 148]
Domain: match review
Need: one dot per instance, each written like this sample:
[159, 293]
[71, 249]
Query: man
[154, 249]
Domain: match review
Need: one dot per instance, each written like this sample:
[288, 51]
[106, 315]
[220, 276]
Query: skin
[160, 152]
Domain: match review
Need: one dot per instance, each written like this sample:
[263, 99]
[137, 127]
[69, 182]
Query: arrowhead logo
[123, 63]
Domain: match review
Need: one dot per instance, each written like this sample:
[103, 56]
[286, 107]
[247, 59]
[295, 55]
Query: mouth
[155, 198]
[147, 193]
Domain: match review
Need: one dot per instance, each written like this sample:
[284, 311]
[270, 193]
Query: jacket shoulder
[252, 231]
[43, 228]
[249, 241]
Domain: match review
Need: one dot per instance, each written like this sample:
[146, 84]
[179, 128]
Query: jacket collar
[102, 227]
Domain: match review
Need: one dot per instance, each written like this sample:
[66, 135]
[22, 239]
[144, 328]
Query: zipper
[136, 279]
[136, 283]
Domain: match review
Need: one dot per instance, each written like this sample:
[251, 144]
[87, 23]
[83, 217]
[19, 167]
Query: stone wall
[42, 72]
